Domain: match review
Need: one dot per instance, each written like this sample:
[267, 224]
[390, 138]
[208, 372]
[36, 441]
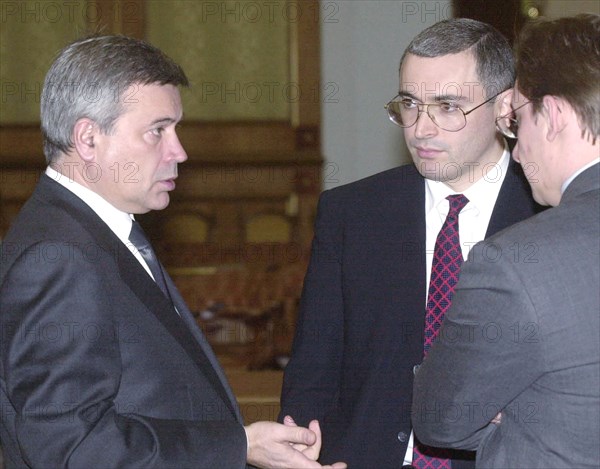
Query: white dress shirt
[119, 222]
[473, 221]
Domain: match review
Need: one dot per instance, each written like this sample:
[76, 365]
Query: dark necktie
[447, 259]
[141, 243]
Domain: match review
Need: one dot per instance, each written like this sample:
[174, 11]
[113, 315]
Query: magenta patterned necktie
[447, 259]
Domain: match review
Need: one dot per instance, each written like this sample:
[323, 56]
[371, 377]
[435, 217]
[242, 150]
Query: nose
[176, 150]
[425, 127]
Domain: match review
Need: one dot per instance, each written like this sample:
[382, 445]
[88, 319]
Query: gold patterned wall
[236, 54]
[31, 33]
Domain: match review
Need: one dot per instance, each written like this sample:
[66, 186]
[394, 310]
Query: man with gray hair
[101, 362]
[367, 316]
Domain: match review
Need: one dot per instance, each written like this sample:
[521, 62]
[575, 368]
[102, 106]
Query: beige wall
[31, 32]
[236, 55]
[557, 8]
[362, 41]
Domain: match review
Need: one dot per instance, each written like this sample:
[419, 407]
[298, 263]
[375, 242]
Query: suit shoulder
[44, 221]
[556, 224]
[39, 221]
[378, 185]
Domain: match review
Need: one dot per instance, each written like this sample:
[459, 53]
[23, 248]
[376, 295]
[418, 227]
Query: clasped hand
[275, 446]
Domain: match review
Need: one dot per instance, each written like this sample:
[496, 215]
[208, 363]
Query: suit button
[402, 437]
[415, 369]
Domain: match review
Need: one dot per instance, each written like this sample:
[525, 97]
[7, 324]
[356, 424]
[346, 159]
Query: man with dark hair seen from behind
[101, 362]
[367, 315]
[533, 320]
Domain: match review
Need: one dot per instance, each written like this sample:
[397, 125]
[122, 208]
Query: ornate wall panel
[31, 32]
[235, 53]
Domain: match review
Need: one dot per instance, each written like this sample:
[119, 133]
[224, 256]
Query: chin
[540, 199]
[161, 203]
[430, 172]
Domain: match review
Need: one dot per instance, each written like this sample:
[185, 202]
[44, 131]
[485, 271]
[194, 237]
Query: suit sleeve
[62, 369]
[489, 350]
[311, 380]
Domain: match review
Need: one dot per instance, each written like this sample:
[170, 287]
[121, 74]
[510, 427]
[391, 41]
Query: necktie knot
[457, 203]
[138, 237]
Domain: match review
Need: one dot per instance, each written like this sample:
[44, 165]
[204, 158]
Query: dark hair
[89, 79]
[562, 58]
[492, 52]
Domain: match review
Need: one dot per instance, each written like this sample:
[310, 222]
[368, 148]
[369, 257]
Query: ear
[84, 132]
[554, 111]
[502, 106]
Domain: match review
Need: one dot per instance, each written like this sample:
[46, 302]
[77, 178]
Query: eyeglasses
[447, 115]
[509, 124]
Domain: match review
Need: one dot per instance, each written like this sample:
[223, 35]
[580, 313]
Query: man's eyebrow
[163, 120]
[406, 94]
[450, 97]
[443, 97]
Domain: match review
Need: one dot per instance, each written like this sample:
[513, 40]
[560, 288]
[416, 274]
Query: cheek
[523, 148]
[468, 146]
[478, 129]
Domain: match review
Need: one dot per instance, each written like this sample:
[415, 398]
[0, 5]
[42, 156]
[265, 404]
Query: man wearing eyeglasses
[362, 331]
[533, 346]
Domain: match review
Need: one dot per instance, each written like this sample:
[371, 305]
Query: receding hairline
[469, 51]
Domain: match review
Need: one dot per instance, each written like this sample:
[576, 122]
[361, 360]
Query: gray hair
[492, 52]
[90, 78]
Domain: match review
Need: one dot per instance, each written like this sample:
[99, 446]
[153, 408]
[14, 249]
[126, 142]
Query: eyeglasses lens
[406, 114]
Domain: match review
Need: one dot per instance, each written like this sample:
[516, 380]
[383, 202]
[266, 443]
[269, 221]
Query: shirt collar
[118, 221]
[575, 174]
[481, 194]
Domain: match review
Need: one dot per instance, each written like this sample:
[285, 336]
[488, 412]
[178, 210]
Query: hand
[310, 451]
[274, 446]
[497, 419]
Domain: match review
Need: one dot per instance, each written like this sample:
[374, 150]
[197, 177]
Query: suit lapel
[136, 278]
[194, 343]
[408, 222]
[404, 230]
[515, 202]
[200, 339]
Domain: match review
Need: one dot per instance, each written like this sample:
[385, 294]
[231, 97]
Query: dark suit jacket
[97, 369]
[523, 335]
[360, 328]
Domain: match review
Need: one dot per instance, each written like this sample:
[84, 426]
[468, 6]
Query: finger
[339, 465]
[299, 447]
[315, 427]
[314, 450]
[289, 421]
[300, 435]
[300, 460]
